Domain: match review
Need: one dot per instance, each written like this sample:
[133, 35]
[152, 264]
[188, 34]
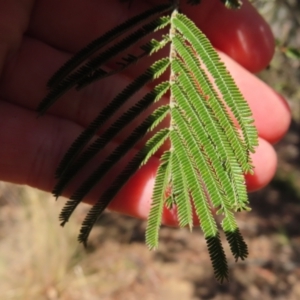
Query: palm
[33, 147]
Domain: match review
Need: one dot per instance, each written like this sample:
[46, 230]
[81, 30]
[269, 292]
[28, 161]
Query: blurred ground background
[39, 260]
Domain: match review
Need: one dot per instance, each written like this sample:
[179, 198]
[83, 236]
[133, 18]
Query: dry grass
[38, 260]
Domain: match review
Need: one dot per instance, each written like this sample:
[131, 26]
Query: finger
[31, 149]
[137, 201]
[270, 110]
[265, 164]
[36, 62]
[70, 25]
[32, 67]
[29, 72]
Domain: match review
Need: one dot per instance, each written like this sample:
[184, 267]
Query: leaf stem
[172, 56]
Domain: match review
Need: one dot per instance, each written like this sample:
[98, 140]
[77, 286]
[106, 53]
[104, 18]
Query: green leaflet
[158, 199]
[180, 193]
[205, 164]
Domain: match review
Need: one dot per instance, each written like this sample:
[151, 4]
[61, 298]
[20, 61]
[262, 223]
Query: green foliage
[290, 52]
[205, 165]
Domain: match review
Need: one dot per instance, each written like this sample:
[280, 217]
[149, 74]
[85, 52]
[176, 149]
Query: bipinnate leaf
[203, 168]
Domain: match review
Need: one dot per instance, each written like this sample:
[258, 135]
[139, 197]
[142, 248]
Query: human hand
[37, 37]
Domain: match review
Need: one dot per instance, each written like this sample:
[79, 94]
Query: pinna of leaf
[208, 157]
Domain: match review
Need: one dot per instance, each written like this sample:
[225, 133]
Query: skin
[36, 37]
